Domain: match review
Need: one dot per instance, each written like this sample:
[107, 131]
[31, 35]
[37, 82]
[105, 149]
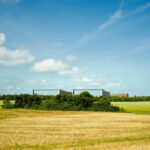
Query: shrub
[27, 101]
[7, 104]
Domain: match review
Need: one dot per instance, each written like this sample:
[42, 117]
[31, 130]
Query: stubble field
[52, 130]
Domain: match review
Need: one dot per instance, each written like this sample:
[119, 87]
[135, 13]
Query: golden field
[57, 130]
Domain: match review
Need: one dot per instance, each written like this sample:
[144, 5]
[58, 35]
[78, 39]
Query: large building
[65, 92]
[101, 92]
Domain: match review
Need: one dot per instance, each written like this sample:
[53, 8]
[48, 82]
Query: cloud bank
[13, 57]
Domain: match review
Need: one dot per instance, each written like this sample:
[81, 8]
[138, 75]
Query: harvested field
[29, 129]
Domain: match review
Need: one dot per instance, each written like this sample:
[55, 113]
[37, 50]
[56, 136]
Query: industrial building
[101, 92]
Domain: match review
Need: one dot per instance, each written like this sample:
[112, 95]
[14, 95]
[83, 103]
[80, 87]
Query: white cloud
[71, 58]
[52, 65]
[2, 38]
[13, 57]
[49, 65]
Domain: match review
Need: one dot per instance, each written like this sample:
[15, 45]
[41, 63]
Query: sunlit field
[134, 107]
[47, 130]
[1, 103]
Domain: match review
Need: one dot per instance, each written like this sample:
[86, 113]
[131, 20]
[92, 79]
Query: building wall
[105, 93]
[120, 95]
[65, 92]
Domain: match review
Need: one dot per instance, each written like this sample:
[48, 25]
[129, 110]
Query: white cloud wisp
[140, 9]
[113, 18]
[117, 15]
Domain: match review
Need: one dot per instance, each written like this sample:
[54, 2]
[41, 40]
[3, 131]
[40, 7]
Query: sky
[67, 44]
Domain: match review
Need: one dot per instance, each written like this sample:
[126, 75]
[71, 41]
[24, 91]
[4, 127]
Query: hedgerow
[83, 102]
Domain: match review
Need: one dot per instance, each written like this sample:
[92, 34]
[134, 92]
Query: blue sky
[75, 44]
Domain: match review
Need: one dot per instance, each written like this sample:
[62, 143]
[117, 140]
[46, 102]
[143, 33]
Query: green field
[134, 107]
[1, 102]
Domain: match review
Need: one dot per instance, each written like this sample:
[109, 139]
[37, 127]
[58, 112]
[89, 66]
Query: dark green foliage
[7, 104]
[27, 101]
[84, 101]
[104, 105]
[84, 94]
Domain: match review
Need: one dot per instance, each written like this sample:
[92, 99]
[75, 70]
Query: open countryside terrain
[134, 107]
[29, 129]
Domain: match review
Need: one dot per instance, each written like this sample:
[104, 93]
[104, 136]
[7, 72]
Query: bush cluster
[84, 101]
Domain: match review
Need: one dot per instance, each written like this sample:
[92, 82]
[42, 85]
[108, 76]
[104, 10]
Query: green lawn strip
[80, 143]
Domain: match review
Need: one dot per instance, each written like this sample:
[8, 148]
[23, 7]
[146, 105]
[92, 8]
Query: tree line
[109, 98]
[82, 102]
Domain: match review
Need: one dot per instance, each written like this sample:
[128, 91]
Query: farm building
[121, 95]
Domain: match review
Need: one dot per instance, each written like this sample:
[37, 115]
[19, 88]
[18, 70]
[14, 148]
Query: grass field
[134, 107]
[52, 130]
[1, 102]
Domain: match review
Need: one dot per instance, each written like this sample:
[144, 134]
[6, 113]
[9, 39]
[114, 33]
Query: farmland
[76, 130]
[134, 107]
[33, 129]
